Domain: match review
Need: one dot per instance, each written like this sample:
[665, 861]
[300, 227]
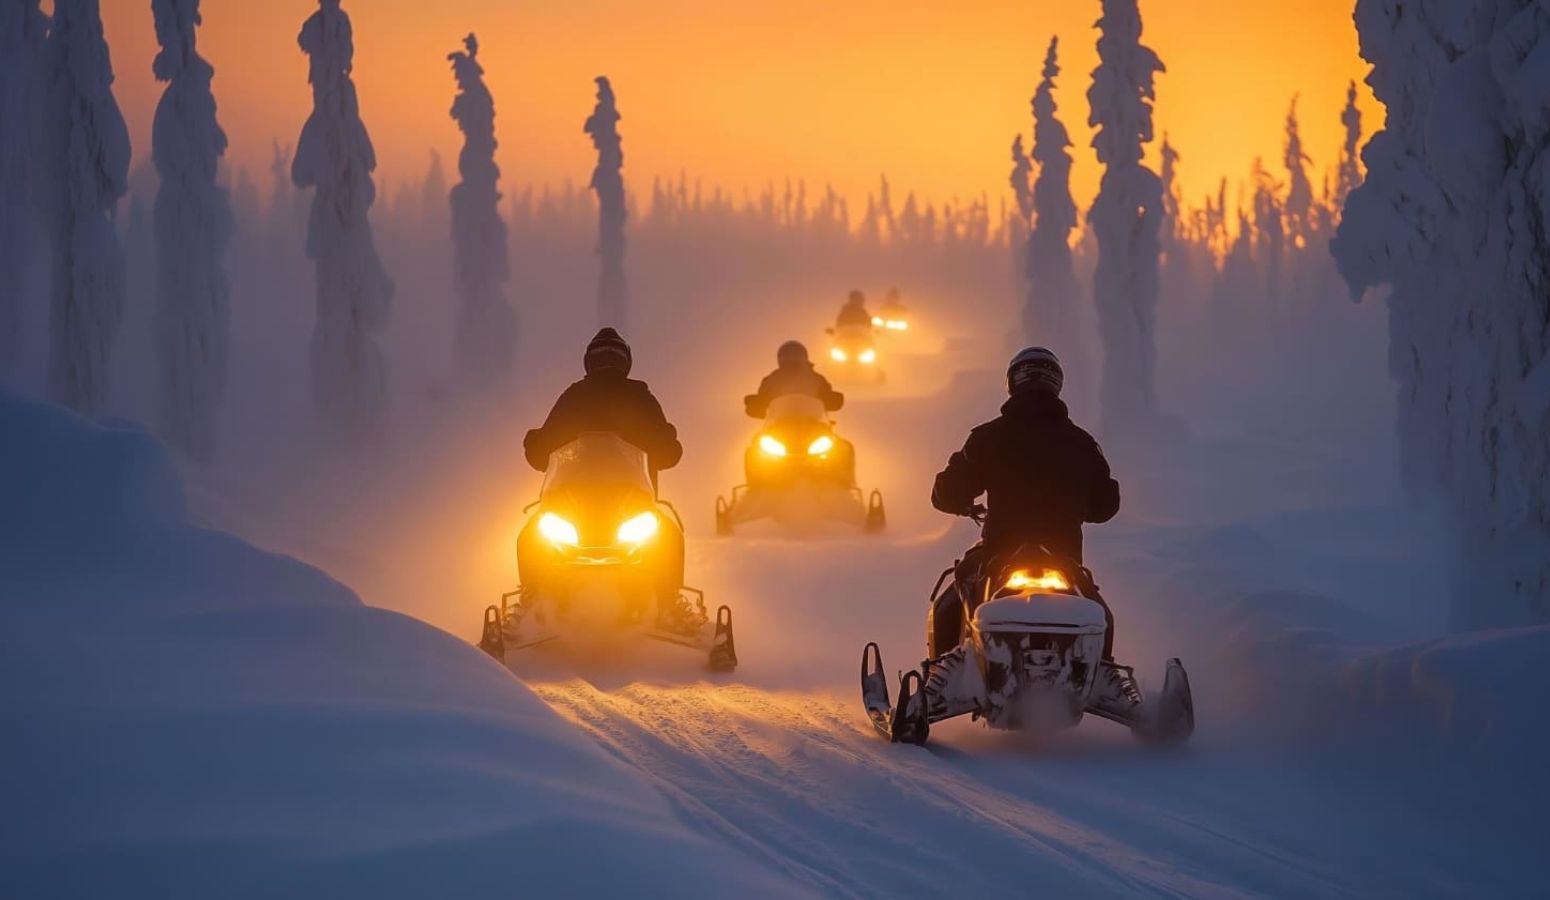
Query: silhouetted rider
[607, 399]
[854, 313]
[794, 374]
[1041, 474]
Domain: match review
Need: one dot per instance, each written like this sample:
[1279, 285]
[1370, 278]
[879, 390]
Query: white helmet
[1034, 369]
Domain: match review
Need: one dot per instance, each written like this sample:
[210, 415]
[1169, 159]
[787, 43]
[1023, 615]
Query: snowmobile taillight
[820, 445]
[771, 446]
[638, 529]
[558, 531]
[1051, 580]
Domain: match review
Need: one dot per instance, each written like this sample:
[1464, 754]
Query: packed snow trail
[1285, 527]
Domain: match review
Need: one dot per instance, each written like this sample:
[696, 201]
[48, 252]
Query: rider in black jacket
[1042, 476]
[794, 374]
[607, 399]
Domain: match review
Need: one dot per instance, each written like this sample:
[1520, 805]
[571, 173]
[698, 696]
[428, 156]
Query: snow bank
[189, 716]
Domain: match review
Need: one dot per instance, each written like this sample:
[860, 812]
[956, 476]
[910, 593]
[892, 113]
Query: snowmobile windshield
[596, 459]
[795, 406]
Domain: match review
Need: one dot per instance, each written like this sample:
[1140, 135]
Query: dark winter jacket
[606, 400]
[1042, 476]
[853, 315]
[802, 380]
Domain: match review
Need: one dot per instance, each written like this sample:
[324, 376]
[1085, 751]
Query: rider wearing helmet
[854, 313]
[607, 399]
[794, 374]
[1042, 477]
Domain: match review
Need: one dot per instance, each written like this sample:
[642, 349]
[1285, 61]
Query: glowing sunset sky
[738, 93]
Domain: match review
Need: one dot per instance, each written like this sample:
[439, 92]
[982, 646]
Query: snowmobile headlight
[868, 356]
[898, 325]
[877, 321]
[838, 355]
[771, 446]
[638, 529]
[1047, 580]
[558, 531]
[820, 445]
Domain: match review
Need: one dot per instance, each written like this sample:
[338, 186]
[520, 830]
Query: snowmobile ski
[723, 649]
[493, 638]
[902, 722]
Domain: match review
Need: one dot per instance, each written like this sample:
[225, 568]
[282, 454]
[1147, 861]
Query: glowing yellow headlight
[877, 321]
[558, 531]
[1048, 580]
[638, 529]
[868, 356]
[837, 354]
[820, 445]
[771, 446]
[898, 325]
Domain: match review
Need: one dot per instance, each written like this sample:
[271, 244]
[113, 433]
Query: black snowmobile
[1028, 658]
[602, 555]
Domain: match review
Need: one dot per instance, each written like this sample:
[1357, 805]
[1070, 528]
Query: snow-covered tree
[1168, 172]
[608, 182]
[1349, 174]
[1269, 230]
[1299, 190]
[335, 157]
[1050, 273]
[486, 324]
[193, 222]
[1455, 217]
[22, 34]
[1022, 180]
[433, 196]
[85, 167]
[1125, 218]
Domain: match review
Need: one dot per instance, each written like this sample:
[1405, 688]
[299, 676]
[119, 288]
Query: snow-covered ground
[194, 709]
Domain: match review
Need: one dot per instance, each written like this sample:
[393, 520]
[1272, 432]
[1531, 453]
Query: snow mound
[199, 718]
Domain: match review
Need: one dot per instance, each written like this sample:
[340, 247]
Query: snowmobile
[1028, 658]
[853, 354]
[600, 556]
[798, 470]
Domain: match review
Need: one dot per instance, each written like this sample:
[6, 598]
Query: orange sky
[738, 93]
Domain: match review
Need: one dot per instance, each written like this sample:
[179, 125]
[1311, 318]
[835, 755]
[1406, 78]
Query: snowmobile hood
[1065, 613]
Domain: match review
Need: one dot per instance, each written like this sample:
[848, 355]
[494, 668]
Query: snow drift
[201, 718]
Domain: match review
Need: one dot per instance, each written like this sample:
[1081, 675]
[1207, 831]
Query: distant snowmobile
[1028, 659]
[799, 470]
[893, 318]
[602, 555]
[853, 355]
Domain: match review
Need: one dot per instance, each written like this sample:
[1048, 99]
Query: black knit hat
[607, 351]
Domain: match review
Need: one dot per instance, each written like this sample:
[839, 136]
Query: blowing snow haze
[347, 349]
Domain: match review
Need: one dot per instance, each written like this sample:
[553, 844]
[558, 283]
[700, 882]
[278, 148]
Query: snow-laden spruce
[608, 182]
[1125, 218]
[84, 170]
[193, 222]
[335, 157]
[22, 32]
[1455, 217]
[1299, 190]
[1051, 277]
[1348, 175]
[486, 324]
